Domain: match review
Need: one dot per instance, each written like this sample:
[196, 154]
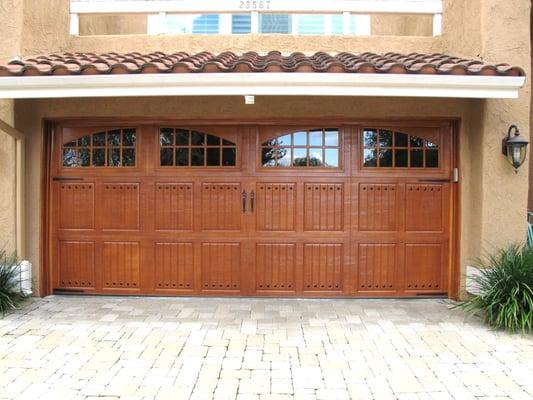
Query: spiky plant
[505, 284]
[10, 294]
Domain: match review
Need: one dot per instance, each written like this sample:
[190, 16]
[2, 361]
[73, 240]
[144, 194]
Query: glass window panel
[166, 136]
[400, 158]
[197, 157]
[274, 23]
[370, 158]
[385, 138]
[128, 157]
[315, 138]
[182, 157]
[114, 157]
[241, 23]
[213, 140]
[98, 157]
[331, 158]
[315, 157]
[299, 138]
[416, 141]
[431, 144]
[84, 141]
[229, 157]
[70, 157]
[197, 138]
[284, 140]
[130, 137]
[268, 158]
[182, 137]
[336, 24]
[70, 144]
[400, 139]
[310, 24]
[165, 157]
[284, 157]
[385, 158]
[113, 137]
[99, 139]
[205, 24]
[331, 137]
[227, 143]
[85, 157]
[213, 157]
[432, 158]
[370, 137]
[179, 23]
[299, 157]
[417, 158]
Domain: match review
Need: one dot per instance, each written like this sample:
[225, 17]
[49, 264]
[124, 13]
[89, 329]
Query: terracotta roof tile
[274, 61]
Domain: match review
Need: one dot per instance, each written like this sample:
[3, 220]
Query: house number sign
[254, 4]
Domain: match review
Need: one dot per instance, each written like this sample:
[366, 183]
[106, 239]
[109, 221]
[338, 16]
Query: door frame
[49, 129]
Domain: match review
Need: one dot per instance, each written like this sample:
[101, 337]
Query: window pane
[114, 158]
[400, 158]
[370, 158]
[370, 137]
[300, 138]
[84, 141]
[113, 137]
[197, 138]
[331, 137]
[417, 158]
[431, 144]
[213, 157]
[229, 157]
[284, 140]
[182, 157]
[267, 157]
[432, 158]
[336, 24]
[165, 158]
[227, 143]
[315, 157]
[197, 157]
[416, 142]
[310, 24]
[70, 158]
[385, 138]
[284, 157]
[182, 137]
[241, 23]
[274, 23]
[332, 158]
[299, 158]
[315, 138]
[205, 24]
[128, 157]
[98, 157]
[400, 139]
[385, 158]
[166, 136]
[213, 140]
[129, 137]
[85, 157]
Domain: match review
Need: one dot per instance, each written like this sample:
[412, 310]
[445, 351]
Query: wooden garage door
[359, 210]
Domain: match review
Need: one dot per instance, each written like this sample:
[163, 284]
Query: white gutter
[261, 84]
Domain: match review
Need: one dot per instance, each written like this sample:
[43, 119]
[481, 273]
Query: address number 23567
[254, 4]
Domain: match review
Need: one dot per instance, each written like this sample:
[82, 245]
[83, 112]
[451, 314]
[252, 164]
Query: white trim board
[261, 84]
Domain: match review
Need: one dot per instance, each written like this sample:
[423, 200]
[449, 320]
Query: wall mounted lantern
[514, 147]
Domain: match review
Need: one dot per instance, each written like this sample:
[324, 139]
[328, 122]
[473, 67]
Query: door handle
[244, 201]
[252, 200]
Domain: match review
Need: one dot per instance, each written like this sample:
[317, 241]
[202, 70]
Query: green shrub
[505, 283]
[10, 294]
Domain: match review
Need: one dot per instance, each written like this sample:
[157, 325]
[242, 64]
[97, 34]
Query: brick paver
[67, 347]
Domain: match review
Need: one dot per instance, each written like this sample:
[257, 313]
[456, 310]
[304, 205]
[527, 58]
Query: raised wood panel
[76, 264]
[423, 267]
[76, 206]
[121, 265]
[423, 207]
[378, 207]
[377, 267]
[323, 206]
[275, 206]
[221, 266]
[119, 206]
[174, 266]
[323, 267]
[221, 206]
[173, 206]
[275, 266]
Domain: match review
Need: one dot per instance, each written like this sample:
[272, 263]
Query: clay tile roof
[273, 61]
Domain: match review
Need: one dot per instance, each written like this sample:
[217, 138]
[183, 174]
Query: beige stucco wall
[493, 198]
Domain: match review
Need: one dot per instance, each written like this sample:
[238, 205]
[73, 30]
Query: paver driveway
[144, 348]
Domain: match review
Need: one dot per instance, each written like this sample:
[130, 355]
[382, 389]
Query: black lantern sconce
[514, 148]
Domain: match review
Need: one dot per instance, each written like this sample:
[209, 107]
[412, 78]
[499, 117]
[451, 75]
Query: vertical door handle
[244, 201]
[252, 199]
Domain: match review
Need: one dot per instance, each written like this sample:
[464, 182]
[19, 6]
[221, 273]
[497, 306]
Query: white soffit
[261, 84]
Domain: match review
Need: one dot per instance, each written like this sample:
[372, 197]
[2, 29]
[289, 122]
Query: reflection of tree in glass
[271, 152]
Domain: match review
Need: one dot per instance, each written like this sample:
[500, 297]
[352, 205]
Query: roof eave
[261, 84]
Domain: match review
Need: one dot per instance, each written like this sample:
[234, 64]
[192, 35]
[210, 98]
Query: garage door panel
[173, 208]
[275, 206]
[323, 267]
[378, 207]
[118, 206]
[76, 264]
[120, 267]
[174, 266]
[323, 206]
[424, 267]
[221, 206]
[424, 207]
[76, 205]
[221, 267]
[377, 267]
[275, 267]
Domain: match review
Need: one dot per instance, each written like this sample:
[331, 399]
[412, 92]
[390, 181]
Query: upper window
[191, 148]
[112, 148]
[383, 148]
[303, 148]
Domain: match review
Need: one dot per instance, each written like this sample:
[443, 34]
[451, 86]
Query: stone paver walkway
[170, 348]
